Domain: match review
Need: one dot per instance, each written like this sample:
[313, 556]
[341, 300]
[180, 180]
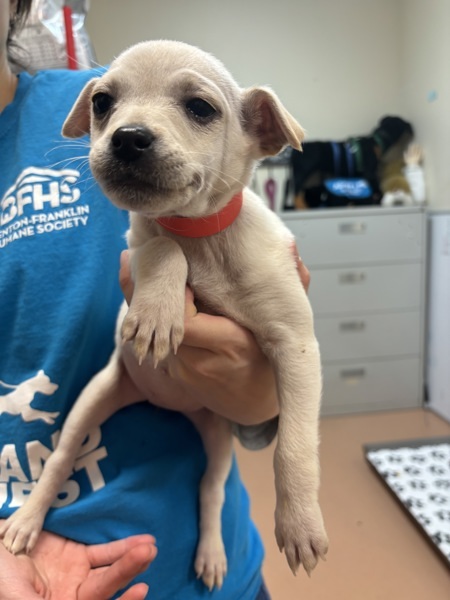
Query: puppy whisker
[66, 162]
[69, 144]
[93, 184]
[218, 174]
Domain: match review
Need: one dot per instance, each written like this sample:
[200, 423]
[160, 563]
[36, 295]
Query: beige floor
[376, 553]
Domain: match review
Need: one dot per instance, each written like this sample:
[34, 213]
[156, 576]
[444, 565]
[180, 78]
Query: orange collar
[204, 226]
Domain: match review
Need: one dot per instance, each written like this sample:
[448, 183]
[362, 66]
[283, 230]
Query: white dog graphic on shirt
[18, 402]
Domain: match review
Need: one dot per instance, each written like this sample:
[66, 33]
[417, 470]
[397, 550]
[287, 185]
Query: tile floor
[376, 553]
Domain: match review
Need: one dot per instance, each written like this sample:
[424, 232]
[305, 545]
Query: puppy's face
[172, 133]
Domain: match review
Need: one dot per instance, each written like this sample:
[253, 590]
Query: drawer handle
[352, 228]
[352, 326]
[352, 375]
[352, 277]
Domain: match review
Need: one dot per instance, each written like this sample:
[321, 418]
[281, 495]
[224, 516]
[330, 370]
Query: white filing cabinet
[438, 355]
[368, 295]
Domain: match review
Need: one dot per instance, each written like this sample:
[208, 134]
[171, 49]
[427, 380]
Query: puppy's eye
[200, 109]
[101, 103]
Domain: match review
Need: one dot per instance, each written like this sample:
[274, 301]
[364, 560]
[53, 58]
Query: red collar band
[204, 226]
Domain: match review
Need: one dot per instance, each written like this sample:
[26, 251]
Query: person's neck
[8, 85]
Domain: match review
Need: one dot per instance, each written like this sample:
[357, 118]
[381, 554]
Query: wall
[338, 65]
[321, 56]
[426, 88]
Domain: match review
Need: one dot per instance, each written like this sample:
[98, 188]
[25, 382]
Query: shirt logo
[41, 201]
[18, 401]
[21, 466]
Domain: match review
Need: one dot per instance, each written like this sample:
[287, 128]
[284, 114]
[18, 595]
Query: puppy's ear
[78, 121]
[269, 123]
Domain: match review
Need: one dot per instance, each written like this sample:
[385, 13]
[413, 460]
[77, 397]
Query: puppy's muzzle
[131, 143]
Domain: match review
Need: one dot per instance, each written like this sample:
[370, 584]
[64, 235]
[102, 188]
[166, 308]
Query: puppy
[174, 140]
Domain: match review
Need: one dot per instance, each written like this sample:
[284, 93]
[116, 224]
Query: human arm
[219, 365]
[65, 570]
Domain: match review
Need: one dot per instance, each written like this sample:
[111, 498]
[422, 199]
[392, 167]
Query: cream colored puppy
[174, 140]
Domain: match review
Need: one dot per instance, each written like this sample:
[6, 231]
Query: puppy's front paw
[158, 326]
[21, 530]
[301, 533]
[211, 562]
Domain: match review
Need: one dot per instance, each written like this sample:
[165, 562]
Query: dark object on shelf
[356, 158]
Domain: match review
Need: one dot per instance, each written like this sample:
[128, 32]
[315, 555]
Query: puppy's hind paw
[303, 540]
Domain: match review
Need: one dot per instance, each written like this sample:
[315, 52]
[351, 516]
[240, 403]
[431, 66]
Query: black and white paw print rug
[418, 474]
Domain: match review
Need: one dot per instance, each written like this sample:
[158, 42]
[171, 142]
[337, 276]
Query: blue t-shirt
[60, 241]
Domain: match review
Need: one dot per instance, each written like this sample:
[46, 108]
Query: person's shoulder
[55, 91]
[60, 77]
[65, 79]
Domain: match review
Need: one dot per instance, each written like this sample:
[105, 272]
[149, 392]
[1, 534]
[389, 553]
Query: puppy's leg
[283, 327]
[299, 526]
[156, 313]
[108, 391]
[215, 431]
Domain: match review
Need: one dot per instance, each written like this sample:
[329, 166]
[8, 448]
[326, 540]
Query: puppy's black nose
[131, 142]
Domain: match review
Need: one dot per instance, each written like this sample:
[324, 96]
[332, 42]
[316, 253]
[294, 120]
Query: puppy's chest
[212, 277]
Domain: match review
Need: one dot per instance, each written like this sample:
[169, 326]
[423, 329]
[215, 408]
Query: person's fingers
[105, 582]
[209, 332]
[214, 333]
[303, 271]
[137, 592]
[100, 555]
[190, 310]
[305, 275]
[125, 280]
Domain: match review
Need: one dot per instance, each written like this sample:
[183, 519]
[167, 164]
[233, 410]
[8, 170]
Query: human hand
[303, 271]
[219, 365]
[61, 569]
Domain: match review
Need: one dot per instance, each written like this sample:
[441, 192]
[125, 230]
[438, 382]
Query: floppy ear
[269, 123]
[78, 121]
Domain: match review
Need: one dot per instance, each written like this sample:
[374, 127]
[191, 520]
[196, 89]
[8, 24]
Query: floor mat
[417, 472]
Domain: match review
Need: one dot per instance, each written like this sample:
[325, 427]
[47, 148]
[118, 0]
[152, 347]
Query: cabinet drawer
[371, 385]
[354, 289]
[358, 239]
[369, 336]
